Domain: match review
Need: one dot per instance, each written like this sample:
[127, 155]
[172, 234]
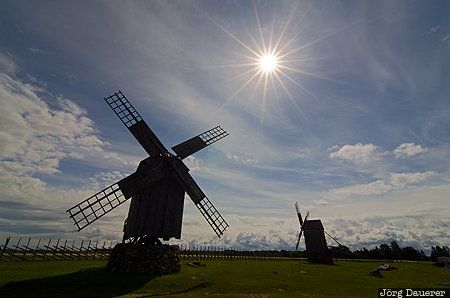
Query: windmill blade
[299, 214]
[199, 142]
[212, 216]
[204, 205]
[299, 237]
[306, 218]
[133, 121]
[297, 206]
[94, 207]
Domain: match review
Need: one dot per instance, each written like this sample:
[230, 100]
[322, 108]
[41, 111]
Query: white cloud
[408, 149]
[418, 232]
[373, 188]
[194, 164]
[446, 39]
[282, 232]
[401, 179]
[244, 159]
[434, 29]
[378, 187]
[37, 51]
[7, 65]
[359, 153]
[37, 136]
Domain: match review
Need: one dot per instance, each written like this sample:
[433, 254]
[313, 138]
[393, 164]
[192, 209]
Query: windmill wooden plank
[157, 188]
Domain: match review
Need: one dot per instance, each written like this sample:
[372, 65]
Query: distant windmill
[315, 242]
[157, 187]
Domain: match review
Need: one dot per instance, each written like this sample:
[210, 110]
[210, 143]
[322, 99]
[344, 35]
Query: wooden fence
[27, 249]
[231, 254]
[53, 250]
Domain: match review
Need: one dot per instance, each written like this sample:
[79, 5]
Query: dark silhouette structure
[157, 188]
[316, 245]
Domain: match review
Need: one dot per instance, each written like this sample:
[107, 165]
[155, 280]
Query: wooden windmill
[157, 188]
[316, 245]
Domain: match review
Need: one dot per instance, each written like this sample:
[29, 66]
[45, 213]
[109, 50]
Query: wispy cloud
[37, 51]
[402, 179]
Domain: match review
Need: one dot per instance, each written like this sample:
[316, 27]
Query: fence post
[26, 249]
[46, 249]
[79, 251]
[36, 250]
[64, 250]
[87, 250]
[14, 251]
[95, 250]
[4, 247]
[55, 250]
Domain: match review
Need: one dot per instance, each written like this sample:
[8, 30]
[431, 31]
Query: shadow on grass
[93, 282]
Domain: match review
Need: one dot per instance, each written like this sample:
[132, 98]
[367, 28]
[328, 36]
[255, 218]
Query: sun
[268, 63]
[275, 61]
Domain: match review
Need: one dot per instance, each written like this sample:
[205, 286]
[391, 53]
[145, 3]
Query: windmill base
[320, 258]
[144, 258]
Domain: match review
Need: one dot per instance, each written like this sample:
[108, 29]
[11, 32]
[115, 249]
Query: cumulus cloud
[36, 136]
[408, 149]
[37, 132]
[418, 232]
[359, 153]
[281, 233]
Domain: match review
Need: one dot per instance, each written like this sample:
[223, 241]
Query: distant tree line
[383, 251]
[437, 251]
[392, 252]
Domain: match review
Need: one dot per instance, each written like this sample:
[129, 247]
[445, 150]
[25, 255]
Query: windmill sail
[204, 205]
[299, 214]
[299, 237]
[212, 216]
[133, 121]
[193, 145]
[94, 207]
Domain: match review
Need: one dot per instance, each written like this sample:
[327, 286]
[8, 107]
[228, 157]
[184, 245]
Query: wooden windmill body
[157, 188]
[316, 245]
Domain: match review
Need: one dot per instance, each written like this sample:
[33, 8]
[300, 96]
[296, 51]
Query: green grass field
[220, 278]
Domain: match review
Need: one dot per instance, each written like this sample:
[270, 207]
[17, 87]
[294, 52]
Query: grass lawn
[226, 278]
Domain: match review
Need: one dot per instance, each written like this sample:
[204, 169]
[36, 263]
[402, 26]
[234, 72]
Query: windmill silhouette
[316, 245]
[157, 188]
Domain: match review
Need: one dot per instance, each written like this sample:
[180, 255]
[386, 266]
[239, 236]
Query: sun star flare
[268, 62]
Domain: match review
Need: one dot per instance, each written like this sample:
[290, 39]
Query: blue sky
[354, 123]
